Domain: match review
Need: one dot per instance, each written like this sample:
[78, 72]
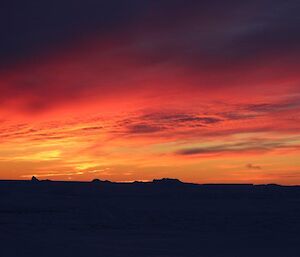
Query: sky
[203, 91]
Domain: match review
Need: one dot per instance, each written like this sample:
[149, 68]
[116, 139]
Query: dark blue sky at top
[238, 29]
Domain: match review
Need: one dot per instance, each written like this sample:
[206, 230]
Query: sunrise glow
[203, 98]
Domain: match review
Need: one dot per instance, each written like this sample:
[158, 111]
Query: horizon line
[155, 180]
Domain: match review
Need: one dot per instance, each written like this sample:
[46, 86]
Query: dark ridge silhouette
[34, 179]
[167, 181]
[162, 181]
[98, 181]
[46, 180]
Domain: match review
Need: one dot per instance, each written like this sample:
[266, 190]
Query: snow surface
[159, 219]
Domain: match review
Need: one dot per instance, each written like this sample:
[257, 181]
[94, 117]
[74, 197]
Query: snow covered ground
[148, 219]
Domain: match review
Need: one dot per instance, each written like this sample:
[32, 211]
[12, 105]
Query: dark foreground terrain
[160, 219]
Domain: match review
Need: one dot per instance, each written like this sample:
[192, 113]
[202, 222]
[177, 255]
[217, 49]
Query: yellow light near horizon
[41, 156]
